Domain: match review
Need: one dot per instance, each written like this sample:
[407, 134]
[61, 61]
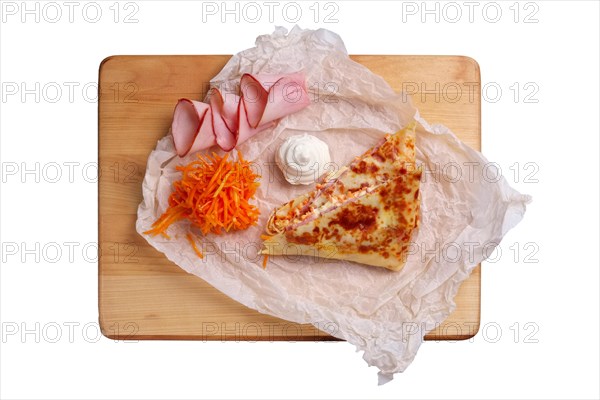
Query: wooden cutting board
[141, 294]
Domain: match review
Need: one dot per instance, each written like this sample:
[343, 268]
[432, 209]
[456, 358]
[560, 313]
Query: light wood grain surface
[142, 295]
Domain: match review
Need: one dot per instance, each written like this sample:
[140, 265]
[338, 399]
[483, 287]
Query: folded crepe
[365, 212]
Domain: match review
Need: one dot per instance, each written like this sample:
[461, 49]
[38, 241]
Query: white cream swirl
[303, 159]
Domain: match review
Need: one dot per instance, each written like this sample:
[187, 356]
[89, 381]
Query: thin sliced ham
[224, 118]
[246, 131]
[229, 120]
[192, 121]
[270, 97]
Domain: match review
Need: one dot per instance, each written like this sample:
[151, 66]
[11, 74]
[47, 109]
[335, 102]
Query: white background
[555, 356]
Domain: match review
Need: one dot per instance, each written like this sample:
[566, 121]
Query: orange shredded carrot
[213, 194]
[265, 258]
[190, 239]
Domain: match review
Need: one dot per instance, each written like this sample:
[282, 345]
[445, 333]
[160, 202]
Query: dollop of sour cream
[303, 159]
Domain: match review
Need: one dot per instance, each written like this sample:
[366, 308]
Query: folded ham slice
[192, 121]
[270, 97]
[228, 119]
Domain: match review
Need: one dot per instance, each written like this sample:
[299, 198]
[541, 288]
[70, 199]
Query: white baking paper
[383, 313]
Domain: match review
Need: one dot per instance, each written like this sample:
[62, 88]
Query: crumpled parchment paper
[385, 314]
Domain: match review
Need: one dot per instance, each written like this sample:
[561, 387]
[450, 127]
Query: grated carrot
[213, 194]
[190, 239]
